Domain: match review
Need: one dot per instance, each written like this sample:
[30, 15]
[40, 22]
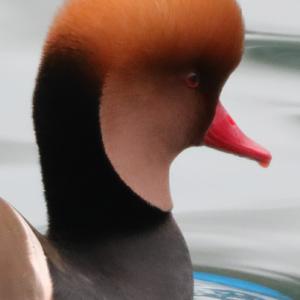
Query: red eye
[192, 80]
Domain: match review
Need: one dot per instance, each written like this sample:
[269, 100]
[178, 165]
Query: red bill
[224, 134]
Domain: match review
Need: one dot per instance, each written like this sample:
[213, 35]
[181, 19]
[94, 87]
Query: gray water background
[238, 218]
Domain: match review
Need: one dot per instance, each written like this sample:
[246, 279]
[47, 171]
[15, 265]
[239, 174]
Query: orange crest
[117, 32]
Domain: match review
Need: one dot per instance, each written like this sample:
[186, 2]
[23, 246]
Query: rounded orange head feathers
[174, 32]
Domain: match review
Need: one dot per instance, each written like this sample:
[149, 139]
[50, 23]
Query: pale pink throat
[146, 121]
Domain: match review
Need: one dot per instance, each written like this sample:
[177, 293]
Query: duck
[123, 87]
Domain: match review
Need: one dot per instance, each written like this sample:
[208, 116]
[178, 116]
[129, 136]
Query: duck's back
[24, 273]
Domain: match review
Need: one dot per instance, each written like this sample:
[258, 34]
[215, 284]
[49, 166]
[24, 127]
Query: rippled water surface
[258, 238]
[239, 219]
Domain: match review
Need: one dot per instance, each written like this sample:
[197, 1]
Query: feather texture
[118, 32]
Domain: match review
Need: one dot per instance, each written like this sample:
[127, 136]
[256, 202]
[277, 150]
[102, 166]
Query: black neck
[83, 192]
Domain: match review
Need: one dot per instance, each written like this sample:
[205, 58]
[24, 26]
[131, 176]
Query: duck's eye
[192, 80]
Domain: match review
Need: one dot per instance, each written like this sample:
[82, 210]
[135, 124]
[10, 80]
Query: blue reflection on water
[211, 286]
[226, 295]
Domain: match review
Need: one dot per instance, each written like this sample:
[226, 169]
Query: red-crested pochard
[124, 86]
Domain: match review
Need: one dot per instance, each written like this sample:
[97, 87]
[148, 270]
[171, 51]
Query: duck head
[162, 65]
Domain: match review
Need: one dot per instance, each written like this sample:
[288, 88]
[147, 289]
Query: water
[239, 220]
[255, 239]
[211, 286]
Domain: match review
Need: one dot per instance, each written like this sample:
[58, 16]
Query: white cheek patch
[24, 273]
